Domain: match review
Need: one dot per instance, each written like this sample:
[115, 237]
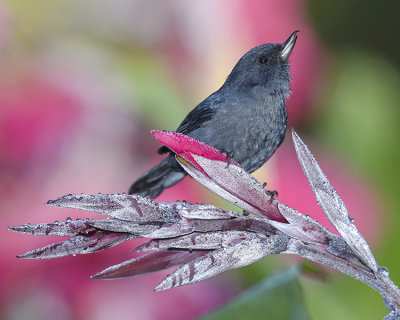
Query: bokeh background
[83, 82]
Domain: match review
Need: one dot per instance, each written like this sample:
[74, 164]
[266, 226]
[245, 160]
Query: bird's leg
[272, 193]
[229, 156]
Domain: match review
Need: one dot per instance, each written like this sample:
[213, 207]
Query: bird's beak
[288, 46]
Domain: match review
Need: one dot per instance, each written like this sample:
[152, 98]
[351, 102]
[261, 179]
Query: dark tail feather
[164, 175]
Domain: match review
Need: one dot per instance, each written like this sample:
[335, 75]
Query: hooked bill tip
[288, 45]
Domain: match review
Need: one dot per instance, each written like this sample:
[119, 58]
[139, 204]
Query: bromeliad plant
[204, 240]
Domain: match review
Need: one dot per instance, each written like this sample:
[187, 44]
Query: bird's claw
[273, 193]
[246, 213]
[229, 157]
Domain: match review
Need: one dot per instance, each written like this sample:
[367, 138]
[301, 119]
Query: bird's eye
[263, 59]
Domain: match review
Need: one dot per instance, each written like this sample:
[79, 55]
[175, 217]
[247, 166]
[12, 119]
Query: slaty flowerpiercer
[246, 118]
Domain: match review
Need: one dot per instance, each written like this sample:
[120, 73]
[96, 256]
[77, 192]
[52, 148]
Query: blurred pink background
[82, 84]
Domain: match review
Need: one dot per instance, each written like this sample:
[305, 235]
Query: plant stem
[379, 281]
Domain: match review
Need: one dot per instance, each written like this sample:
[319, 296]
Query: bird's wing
[202, 113]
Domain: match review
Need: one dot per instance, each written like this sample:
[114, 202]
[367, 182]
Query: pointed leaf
[205, 180]
[81, 244]
[237, 186]
[117, 225]
[222, 191]
[170, 230]
[291, 231]
[186, 226]
[151, 262]
[205, 212]
[305, 225]
[196, 241]
[237, 255]
[63, 228]
[332, 204]
[122, 206]
[242, 185]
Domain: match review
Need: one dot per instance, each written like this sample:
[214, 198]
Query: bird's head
[265, 66]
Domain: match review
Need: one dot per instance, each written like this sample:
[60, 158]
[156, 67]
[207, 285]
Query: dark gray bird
[246, 118]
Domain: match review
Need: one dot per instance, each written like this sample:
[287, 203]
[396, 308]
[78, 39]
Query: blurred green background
[83, 82]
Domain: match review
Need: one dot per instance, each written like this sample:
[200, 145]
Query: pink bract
[185, 146]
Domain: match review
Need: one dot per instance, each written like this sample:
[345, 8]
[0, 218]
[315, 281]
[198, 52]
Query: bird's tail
[164, 175]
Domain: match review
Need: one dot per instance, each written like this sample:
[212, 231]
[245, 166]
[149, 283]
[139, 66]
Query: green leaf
[277, 297]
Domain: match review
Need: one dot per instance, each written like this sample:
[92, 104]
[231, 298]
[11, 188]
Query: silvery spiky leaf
[332, 204]
[240, 253]
[122, 206]
[150, 262]
[204, 212]
[226, 178]
[302, 227]
[62, 228]
[184, 226]
[124, 226]
[254, 197]
[234, 184]
[203, 240]
[81, 244]
[237, 182]
[196, 241]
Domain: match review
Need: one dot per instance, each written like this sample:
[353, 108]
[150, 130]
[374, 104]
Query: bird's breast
[258, 140]
[250, 129]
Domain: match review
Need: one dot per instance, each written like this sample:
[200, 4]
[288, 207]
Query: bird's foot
[229, 157]
[273, 193]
